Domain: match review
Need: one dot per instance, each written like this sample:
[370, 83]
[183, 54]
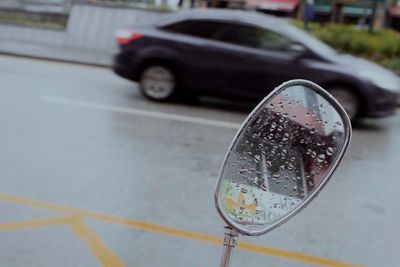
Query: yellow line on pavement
[105, 256]
[150, 227]
[292, 255]
[33, 223]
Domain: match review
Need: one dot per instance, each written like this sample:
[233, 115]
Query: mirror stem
[230, 241]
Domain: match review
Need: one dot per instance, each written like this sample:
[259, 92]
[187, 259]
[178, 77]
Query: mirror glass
[282, 155]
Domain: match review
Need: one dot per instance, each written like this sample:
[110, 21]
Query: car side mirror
[297, 50]
[280, 159]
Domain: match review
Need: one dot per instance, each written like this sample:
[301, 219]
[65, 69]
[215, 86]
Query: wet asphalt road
[87, 145]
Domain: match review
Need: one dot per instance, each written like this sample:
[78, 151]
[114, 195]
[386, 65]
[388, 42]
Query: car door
[205, 64]
[266, 60]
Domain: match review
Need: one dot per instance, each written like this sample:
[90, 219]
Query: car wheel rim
[348, 100]
[158, 82]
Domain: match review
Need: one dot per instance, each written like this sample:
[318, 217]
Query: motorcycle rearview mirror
[280, 159]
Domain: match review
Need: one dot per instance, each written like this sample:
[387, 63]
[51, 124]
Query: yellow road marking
[150, 227]
[105, 256]
[33, 223]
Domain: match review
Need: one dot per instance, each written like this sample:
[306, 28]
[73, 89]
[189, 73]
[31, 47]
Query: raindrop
[276, 175]
[329, 151]
[280, 128]
[308, 152]
[257, 158]
[286, 137]
[269, 163]
[320, 143]
[242, 170]
[312, 131]
[313, 154]
[284, 152]
[263, 187]
[294, 188]
[290, 166]
[321, 158]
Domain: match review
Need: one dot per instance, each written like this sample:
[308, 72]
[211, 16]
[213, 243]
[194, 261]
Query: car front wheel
[158, 82]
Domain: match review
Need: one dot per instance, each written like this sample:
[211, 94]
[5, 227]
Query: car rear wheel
[348, 99]
[158, 83]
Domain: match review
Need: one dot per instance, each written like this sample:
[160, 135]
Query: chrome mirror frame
[347, 133]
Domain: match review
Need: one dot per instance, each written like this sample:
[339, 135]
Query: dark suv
[244, 55]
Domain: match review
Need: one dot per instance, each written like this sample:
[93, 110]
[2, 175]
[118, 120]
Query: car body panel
[217, 68]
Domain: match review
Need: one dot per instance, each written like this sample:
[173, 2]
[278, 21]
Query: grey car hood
[356, 64]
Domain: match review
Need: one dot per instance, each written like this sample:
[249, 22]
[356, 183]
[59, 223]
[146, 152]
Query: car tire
[158, 82]
[348, 99]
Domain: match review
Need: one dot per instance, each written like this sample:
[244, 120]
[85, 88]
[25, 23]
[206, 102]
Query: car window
[256, 38]
[198, 28]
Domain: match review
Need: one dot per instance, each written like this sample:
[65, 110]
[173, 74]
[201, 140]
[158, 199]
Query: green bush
[381, 46]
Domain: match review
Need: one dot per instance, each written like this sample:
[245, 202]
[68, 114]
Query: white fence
[90, 28]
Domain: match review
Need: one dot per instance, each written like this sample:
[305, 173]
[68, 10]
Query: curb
[60, 60]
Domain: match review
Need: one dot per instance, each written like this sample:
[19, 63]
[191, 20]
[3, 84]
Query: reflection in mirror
[282, 154]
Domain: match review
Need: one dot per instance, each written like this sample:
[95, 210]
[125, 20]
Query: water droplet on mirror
[320, 143]
[257, 158]
[263, 187]
[269, 163]
[276, 175]
[313, 154]
[242, 170]
[321, 158]
[290, 166]
[329, 151]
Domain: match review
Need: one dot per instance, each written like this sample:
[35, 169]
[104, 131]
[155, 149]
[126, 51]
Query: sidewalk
[59, 53]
